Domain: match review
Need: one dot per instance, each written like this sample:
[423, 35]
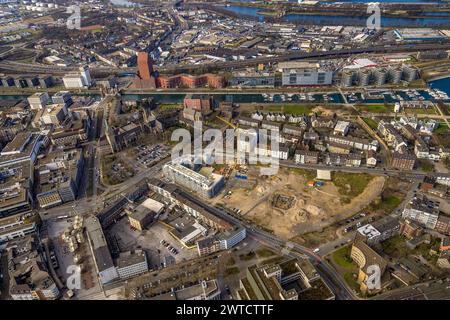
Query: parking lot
[151, 241]
[147, 155]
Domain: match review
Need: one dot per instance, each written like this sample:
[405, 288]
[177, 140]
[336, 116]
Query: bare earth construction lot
[308, 208]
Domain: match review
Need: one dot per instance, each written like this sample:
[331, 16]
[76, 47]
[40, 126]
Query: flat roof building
[205, 186]
[301, 73]
[132, 263]
[144, 214]
[23, 148]
[38, 100]
[104, 265]
[206, 290]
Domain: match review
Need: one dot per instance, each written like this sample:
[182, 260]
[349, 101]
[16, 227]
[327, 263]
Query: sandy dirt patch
[312, 209]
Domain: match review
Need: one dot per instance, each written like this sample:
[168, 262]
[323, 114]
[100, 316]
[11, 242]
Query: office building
[341, 127]
[175, 196]
[252, 80]
[364, 77]
[206, 290]
[378, 231]
[23, 148]
[38, 100]
[14, 227]
[85, 76]
[73, 81]
[301, 73]
[409, 73]
[380, 77]
[55, 114]
[291, 279]
[106, 271]
[394, 75]
[62, 97]
[15, 189]
[205, 186]
[59, 177]
[229, 238]
[144, 214]
[131, 263]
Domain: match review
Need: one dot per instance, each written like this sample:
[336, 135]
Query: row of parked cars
[169, 247]
[54, 260]
[358, 224]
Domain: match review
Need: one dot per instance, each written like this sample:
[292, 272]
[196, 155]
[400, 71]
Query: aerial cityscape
[228, 150]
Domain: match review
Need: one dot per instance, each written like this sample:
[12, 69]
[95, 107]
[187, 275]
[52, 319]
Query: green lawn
[309, 174]
[442, 133]
[350, 185]
[264, 253]
[387, 203]
[163, 107]
[395, 246]
[351, 281]
[390, 203]
[341, 257]
[443, 128]
[296, 109]
[372, 123]
[292, 108]
[273, 108]
[231, 271]
[376, 108]
[426, 165]
[420, 111]
[96, 30]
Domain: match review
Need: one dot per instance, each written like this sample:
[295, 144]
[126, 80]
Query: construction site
[293, 202]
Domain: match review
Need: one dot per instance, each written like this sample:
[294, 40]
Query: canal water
[442, 84]
[380, 96]
[345, 20]
[374, 96]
